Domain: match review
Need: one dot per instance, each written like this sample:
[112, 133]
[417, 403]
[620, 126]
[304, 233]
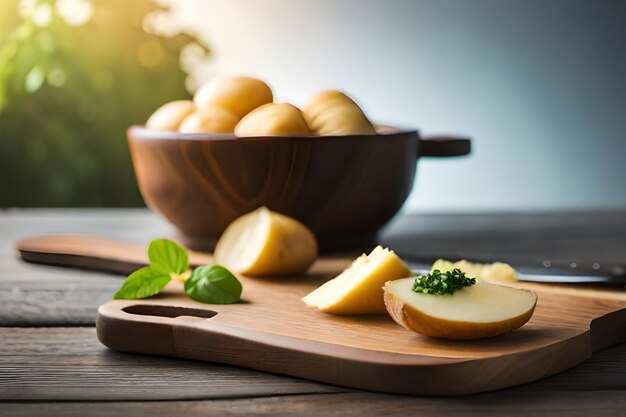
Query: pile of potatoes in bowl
[245, 106]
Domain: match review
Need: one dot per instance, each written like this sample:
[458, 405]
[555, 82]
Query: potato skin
[169, 116]
[239, 95]
[273, 119]
[419, 322]
[334, 113]
[209, 120]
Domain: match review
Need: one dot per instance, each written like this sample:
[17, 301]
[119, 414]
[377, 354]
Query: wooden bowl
[345, 188]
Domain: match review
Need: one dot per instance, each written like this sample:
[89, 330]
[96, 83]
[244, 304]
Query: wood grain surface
[54, 366]
[508, 403]
[35, 295]
[201, 183]
[61, 364]
[273, 331]
[586, 236]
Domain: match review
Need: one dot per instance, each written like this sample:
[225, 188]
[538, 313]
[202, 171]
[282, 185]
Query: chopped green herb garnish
[441, 283]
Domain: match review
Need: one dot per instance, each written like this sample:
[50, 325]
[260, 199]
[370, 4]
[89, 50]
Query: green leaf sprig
[212, 284]
[442, 283]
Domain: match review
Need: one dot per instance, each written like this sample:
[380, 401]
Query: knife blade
[614, 276]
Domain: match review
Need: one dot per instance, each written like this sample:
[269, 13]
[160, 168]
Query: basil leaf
[167, 257]
[141, 284]
[213, 284]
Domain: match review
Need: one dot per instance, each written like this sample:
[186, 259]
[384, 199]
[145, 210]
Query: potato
[358, 289]
[239, 95]
[209, 120]
[169, 116]
[497, 272]
[478, 311]
[334, 113]
[266, 243]
[273, 119]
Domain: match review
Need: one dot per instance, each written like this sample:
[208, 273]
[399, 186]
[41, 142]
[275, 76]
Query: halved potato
[474, 312]
[209, 120]
[239, 95]
[357, 290]
[334, 113]
[266, 243]
[169, 116]
[273, 119]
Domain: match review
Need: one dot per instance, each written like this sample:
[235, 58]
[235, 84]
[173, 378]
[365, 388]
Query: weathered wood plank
[585, 237]
[134, 225]
[555, 404]
[35, 295]
[70, 364]
[51, 302]
[66, 364]
[38, 295]
[559, 234]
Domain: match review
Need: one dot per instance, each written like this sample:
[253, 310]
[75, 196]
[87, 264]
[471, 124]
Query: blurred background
[540, 86]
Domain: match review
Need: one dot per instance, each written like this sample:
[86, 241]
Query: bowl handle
[443, 146]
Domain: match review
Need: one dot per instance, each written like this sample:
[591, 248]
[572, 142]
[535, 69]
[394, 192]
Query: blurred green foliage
[69, 91]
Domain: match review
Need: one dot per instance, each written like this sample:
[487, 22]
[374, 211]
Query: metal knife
[559, 273]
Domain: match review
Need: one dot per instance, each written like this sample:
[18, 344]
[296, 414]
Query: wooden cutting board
[272, 330]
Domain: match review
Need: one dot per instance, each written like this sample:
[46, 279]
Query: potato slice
[266, 243]
[358, 289]
[474, 312]
[209, 120]
[334, 113]
[497, 272]
[169, 116]
[273, 119]
[239, 95]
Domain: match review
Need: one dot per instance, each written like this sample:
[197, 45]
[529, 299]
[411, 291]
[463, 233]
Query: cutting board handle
[129, 326]
[92, 252]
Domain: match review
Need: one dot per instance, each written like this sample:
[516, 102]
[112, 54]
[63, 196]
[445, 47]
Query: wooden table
[51, 362]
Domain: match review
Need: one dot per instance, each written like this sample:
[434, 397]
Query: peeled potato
[209, 120]
[273, 119]
[239, 95]
[334, 113]
[497, 272]
[169, 116]
[474, 312]
[266, 243]
[358, 289]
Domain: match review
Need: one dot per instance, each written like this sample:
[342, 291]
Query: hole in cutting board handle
[168, 311]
